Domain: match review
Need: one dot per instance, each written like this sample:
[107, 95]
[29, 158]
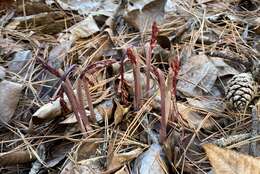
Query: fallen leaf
[89, 166]
[49, 111]
[58, 54]
[193, 118]
[19, 60]
[84, 28]
[59, 152]
[119, 159]
[16, 157]
[9, 46]
[199, 74]
[2, 73]
[143, 18]
[123, 170]
[6, 4]
[86, 7]
[120, 112]
[151, 161]
[30, 8]
[207, 104]
[225, 161]
[9, 98]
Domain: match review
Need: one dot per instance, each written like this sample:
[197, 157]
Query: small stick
[254, 131]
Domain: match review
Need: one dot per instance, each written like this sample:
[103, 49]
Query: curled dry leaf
[193, 118]
[151, 161]
[106, 7]
[120, 112]
[123, 170]
[2, 73]
[30, 8]
[9, 46]
[46, 22]
[199, 74]
[196, 76]
[19, 60]
[16, 157]
[119, 159]
[226, 161]
[58, 53]
[49, 111]
[208, 37]
[59, 152]
[210, 105]
[9, 98]
[143, 18]
[83, 29]
[89, 166]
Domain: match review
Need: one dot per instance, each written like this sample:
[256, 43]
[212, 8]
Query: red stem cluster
[76, 101]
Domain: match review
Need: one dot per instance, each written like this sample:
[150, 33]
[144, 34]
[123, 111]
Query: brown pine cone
[241, 90]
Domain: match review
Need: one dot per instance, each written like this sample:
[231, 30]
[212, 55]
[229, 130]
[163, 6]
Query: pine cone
[241, 90]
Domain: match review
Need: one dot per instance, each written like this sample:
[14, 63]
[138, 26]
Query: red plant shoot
[134, 58]
[162, 87]
[175, 68]
[148, 52]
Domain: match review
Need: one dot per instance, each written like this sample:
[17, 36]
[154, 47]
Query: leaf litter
[137, 86]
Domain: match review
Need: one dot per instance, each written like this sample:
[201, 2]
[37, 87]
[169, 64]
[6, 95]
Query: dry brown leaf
[16, 157]
[123, 170]
[2, 73]
[19, 61]
[30, 8]
[104, 7]
[192, 118]
[226, 161]
[151, 161]
[199, 73]
[6, 4]
[143, 19]
[90, 166]
[120, 112]
[49, 111]
[84, 28]
[9, 98]
[9, 46]
[119, 159]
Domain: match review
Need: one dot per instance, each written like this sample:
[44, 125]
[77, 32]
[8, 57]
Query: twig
[254, 131]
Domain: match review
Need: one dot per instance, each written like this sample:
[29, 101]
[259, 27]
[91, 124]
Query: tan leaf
[192, 118]
[89, 166]
[9, 97]
[123, 170]
[226, 161]
[2, 73]
[143, 19]
[120, 112]
[119, 159]
[16, 157]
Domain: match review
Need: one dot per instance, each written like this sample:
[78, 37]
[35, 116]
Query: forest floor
[138, 86]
